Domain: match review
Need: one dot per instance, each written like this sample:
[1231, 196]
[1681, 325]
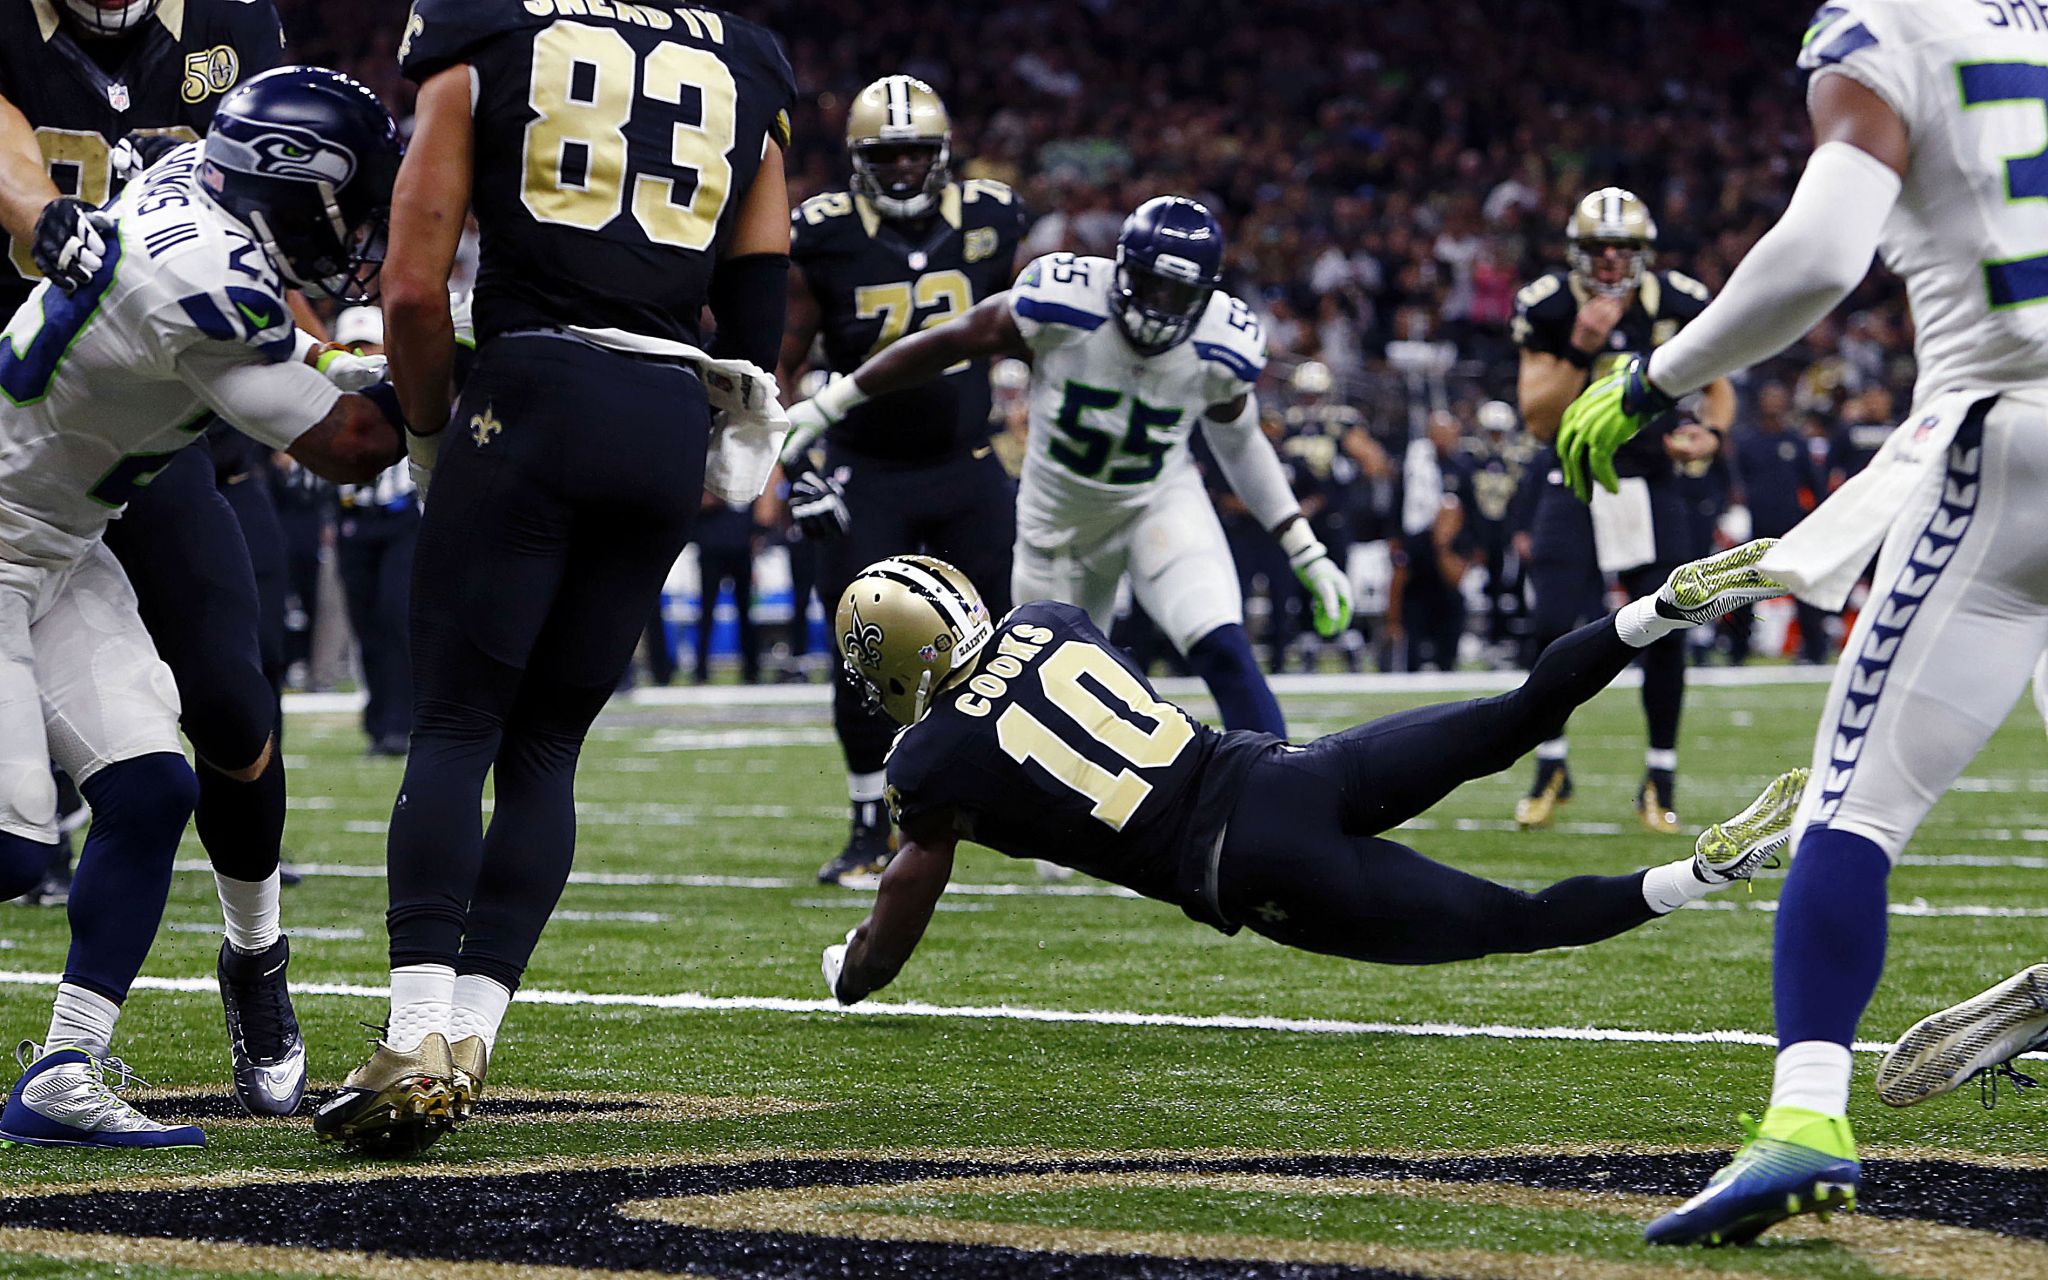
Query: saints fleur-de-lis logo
[414, 25]
[483, 426]
[863, 640]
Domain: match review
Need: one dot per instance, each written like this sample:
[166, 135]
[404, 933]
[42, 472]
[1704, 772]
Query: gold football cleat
[1653, 805]
[471, 1059]
[1553, 788]
[396, 1104]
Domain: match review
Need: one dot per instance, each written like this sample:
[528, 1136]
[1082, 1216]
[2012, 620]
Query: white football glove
[809, 419]
[351, 372]
[835, 960]
[1329, 591]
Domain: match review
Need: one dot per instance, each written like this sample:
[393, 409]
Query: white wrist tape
[840, 397]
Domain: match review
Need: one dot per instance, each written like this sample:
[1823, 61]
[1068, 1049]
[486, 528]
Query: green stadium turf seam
[691, 1001]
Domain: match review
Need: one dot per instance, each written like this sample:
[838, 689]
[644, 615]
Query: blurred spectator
[727, 541]
[1777, 482]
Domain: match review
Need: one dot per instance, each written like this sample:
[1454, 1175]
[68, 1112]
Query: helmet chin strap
[923, 697]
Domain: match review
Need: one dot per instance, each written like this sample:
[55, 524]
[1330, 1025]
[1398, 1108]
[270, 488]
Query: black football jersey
[614, 144]
[1665, 302]
[876, 280]
[82, 95]
[1058, 748]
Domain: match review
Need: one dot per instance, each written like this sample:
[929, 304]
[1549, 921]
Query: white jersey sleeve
[1232, 347]
[273, 403]
[1060, 298]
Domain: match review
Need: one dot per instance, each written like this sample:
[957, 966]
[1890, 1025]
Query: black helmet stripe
[927, 587]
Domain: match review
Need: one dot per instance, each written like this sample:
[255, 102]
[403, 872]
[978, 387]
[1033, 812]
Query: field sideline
[1066, 1081]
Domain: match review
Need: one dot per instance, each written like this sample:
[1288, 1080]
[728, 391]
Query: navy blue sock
[22, 863]
[1830, 937]
[1224, 660]
[139, 811]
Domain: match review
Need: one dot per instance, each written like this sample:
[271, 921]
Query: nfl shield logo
[117, 96]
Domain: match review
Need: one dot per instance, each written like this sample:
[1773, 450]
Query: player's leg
[978, 526]
[28, 792]
[110, 711]
[880, 503]
[182, 548]
[1289, 870]
[635, 496]
[1663, 697]
[1957, 617]
[1183, 576]
[1396, 767]
[1563, 594]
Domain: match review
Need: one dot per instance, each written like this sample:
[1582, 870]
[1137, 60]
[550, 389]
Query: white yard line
[691, 1001]
[807, 695]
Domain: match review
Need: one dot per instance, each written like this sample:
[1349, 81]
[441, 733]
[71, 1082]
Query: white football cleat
[1983, 1033]
[63, 1100]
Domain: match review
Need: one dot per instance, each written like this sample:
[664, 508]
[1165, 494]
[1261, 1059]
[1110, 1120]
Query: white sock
[863, 787]
[1639, 624]
[81, 1019]
[479, 1008]
[1671, 886]
[250, 909]
[1813, 1074]
[1558, 748]
[421, 1000]
[1666, 759]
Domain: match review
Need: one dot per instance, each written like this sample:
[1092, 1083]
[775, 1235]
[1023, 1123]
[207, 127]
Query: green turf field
[744, 1129]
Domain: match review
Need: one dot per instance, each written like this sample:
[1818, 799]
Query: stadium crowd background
[1389, 173]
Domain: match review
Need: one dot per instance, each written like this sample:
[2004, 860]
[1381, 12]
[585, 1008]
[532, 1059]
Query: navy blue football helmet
[305, 158]
[1169, 259]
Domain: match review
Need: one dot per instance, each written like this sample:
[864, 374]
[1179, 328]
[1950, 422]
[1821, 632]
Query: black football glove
[818, 503]
[71, 242]
[136, 152]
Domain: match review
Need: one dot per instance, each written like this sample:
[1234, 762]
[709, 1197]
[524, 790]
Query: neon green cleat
[1720, 584]
[1757, 837]
[1797, 1161]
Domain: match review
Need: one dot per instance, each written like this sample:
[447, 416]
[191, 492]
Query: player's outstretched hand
[818, 505]
[135, 152]
[1329, 591]
[349, 371]
[71, 242]
[834, 962]
[1601, 420]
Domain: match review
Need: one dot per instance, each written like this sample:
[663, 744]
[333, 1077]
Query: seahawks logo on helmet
[282, 151]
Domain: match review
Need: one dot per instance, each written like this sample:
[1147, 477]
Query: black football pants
[565, 489]
[1303, 863]
[962, 510]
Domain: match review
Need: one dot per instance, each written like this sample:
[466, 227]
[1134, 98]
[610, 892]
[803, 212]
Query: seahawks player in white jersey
[1927, 115]
[1127, 356]
[183, 317]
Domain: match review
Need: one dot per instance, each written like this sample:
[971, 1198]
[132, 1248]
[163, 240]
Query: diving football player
[1037, 738]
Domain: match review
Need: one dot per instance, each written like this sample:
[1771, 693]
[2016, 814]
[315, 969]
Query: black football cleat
[868, 849]
[267, 1054]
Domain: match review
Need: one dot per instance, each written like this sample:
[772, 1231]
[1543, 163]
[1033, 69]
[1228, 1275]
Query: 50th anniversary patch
[737, 1217]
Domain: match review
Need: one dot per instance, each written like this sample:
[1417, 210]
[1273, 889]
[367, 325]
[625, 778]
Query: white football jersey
[1969, 234]
[1109, 424]
[98, 389]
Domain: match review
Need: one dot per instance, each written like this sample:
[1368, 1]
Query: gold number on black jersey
[948, 291]
[582, 87]
[1117, 796]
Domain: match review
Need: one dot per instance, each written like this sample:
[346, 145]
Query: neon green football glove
[1601, 420]
[1329, 591]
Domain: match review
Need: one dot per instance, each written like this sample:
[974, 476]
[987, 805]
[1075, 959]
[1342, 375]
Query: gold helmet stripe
[934, 590]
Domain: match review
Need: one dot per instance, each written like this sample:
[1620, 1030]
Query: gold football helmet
[894, 124]
[906, 628]
[1610, 218]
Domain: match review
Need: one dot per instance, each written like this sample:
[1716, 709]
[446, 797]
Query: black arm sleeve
[749, 297]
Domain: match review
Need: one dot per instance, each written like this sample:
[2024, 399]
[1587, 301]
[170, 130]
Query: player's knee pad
[28, 797]
[147, 798]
